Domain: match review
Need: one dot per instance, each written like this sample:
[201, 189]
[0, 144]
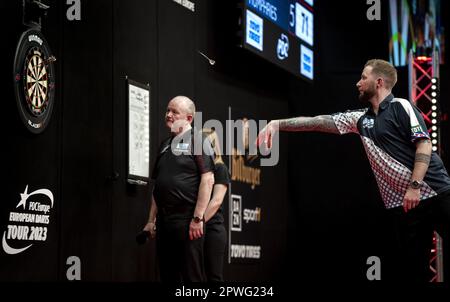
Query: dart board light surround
[34, 80]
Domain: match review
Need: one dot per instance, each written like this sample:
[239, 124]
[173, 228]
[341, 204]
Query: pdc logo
[283, 47]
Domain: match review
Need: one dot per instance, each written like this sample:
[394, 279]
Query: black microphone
[142, 237]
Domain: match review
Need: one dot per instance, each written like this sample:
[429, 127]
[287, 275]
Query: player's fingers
[269, 139]
[259, 139]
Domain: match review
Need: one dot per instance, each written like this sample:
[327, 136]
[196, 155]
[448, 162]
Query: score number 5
[292, 15]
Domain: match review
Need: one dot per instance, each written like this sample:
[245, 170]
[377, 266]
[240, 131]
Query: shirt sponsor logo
[182, 147]
[416, 129]
[368, 123]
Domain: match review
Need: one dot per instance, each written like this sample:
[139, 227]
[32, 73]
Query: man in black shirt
[183, 181]
[412, 180]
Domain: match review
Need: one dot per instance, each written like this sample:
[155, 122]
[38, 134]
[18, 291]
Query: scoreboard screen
[282, 32]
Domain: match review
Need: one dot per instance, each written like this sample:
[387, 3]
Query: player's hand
[151, 227]
[266, 134]
[411, 199]
[195, 230]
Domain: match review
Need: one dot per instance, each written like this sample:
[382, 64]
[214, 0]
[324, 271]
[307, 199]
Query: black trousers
[414, 234]
[179, 258]
[215, 244]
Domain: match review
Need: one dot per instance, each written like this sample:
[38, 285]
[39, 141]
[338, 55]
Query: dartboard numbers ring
[34, 80]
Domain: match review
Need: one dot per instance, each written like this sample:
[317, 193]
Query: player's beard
[367, 94]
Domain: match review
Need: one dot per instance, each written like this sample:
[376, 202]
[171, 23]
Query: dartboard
[34, 80]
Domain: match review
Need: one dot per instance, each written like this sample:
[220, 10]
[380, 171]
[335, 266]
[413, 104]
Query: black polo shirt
[389, 139]
[178, 169]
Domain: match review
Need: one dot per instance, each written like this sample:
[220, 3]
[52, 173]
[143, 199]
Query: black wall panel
[87, 76]
[134, 56]
[176, 53]
[31, 162]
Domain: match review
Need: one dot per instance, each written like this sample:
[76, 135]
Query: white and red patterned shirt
[389, 139]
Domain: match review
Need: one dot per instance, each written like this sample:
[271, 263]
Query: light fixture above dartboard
[34, 78]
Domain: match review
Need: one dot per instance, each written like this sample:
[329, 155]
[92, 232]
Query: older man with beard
[413, 182]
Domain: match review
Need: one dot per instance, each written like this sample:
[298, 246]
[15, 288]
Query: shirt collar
[383, 105]
[387, 100]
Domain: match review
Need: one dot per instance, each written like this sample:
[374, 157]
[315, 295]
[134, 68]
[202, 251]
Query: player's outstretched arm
[320, 123]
